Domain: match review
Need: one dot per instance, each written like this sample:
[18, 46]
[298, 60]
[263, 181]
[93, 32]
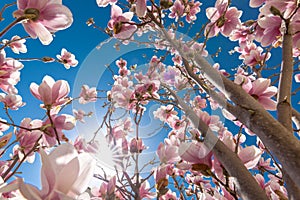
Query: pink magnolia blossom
[16, 44]
[177, 10]
[250, 156]
[51, 93]
[27, 139]
[196, 153]
[144, 191]
[67, 59]
[168, 153]
[87, 94]
[49, 16]
[120, 23]
[10, 73]
[136, 145]
[223, 19]
[79, 115]
[191, 10]
[82, 146]
[106, 190]
[61, 122]
[259, 89]
[252, 54]
[11, 101]
[271, 31]
[165, 113]
[65, 174]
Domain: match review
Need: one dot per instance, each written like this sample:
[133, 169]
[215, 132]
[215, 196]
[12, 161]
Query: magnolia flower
[61, 122]
[196, 153]
[11, 101]
[116, 24]
[262, 92]
[50, 92]
[167, 153]
[43, 17]
[67, 59]
[136, 145]
[16, 44]
[10, 74]
[223, 19]
[65, 174]
[79, 115]
[87, 94]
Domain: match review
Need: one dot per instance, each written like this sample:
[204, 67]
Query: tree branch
[275, 136]
[246, 184]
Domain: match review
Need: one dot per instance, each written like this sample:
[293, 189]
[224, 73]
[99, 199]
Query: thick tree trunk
[246, 184]
[273, 134]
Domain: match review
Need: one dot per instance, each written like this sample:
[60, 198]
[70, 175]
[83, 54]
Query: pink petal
[259, 86]
[37, 29]
[116, 11]
[270, 91]
[256, 3]
[56, 17]
[212, 14]
[62, 155]
[141, 8]
[22, 4]
[48, 175]
[82, 169]
[267, 103]
[39, 4]
[297, 78]
[46, 93]
[34, 90]
[28, 191]
[250, 156]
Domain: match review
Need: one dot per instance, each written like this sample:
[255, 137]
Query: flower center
[32, 13]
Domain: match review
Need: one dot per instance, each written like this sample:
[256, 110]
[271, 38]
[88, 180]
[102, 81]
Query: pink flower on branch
[16, 44]
[51, 93]
[87, 94]
[223, 19]
[44, 17]
[65, 174]
[121, 24]
[67, 59]
[55, 132]
[9, 73]
[11, 101]
[259, 89]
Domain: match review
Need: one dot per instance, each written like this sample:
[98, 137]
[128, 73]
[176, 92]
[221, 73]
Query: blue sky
[81, 40]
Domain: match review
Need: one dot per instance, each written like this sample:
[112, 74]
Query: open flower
[16, 44]
[262, 92]
[11, 101]
[65, 174]
[50, 92]
[120, 23]
[87, 94]
[43, 18]
[9, 73]
[223, 19]
[67, 59]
